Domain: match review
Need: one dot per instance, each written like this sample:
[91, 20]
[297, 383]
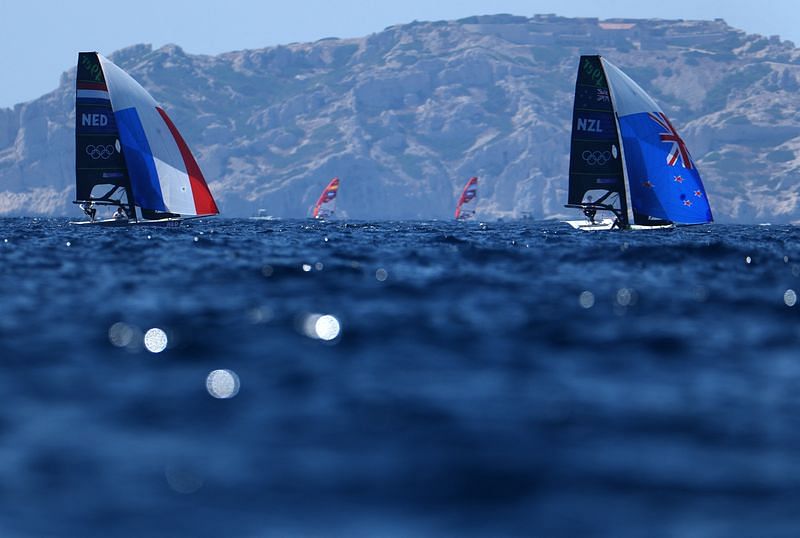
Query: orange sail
[466, 203]
[327, 196]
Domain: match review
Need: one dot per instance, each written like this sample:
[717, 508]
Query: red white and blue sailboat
[627, 160]
[129, 154]
[465, 208]
[321, 208]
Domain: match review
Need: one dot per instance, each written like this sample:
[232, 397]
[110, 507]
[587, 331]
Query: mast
[628, 203]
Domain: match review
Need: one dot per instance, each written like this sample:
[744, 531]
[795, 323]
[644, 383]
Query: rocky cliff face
[406, 115]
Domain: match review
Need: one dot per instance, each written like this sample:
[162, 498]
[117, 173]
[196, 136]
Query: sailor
[89, 209]
[120, 214]
[589, 212]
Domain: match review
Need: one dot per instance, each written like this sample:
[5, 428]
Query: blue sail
[663, 180]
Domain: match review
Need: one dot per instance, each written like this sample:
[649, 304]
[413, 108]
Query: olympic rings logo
[596, 158]
[100, 152]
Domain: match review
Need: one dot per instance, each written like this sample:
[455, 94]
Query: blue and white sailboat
[627, 161]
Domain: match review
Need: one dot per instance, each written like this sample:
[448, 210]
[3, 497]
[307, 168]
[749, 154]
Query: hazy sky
[40, 38]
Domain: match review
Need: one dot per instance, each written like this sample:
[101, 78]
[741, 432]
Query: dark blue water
[508, 379]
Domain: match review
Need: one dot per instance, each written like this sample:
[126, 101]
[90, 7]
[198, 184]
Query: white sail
[164, 174]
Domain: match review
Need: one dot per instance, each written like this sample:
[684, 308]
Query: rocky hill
[406, 115]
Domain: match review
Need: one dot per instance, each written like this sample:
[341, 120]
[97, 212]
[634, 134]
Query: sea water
[250, 378]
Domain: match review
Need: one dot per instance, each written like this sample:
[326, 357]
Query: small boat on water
[465, 208]
[129, 155]
[627, 161]
[328, 196]
[262, 214]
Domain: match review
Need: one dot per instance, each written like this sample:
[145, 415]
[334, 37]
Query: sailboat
[328, 196]
[129, 154]
[627, 161]
[465, 208]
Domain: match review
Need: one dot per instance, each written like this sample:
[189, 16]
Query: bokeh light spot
[223, 384]
[155, 340]
[121, 334]
[381, 274]
[327, 328]
[183, 480]
[790, 298]
[586, 299]
[308, 324]
[306, 267]
[261, 314]
[700, 294]
[626, 297]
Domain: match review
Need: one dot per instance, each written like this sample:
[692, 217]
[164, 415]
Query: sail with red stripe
[328, 196]
[465, 208]
[160, 174]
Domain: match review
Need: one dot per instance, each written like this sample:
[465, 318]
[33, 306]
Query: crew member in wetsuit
[90, 210]
[589, 212]
[120, 214]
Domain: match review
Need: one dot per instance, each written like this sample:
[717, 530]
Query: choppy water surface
[398, 379]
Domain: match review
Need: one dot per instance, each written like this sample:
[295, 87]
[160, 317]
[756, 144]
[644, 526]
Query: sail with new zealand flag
[627, 159]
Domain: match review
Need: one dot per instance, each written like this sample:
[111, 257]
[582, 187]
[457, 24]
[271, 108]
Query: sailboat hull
[608, 224]
[117, 223]
[597, 226]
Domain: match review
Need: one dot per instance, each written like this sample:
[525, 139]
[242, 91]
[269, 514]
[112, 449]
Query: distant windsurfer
[120, 214]
[90, 210]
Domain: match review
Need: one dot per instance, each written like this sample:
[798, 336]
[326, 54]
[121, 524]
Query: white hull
[658, 227]
[608, 224]
[585, 225]
[120, 223]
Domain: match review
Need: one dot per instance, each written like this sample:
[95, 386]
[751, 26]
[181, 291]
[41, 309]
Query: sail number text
[94, 120]
[589, 126]
[594, 72]
[92, 68]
